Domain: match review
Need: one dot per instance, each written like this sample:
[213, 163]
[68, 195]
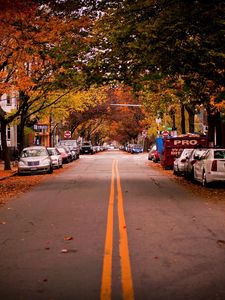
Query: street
[111, 228]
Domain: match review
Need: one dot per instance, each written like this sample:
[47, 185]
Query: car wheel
[50, 170]
[19, 173]
[192, 175]
[204, 180]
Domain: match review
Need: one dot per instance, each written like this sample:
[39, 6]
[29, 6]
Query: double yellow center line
[126, 276]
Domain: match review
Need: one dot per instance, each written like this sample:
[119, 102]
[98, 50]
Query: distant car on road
[34, 159]
[136, 149]
[55, 157]
[86, 148]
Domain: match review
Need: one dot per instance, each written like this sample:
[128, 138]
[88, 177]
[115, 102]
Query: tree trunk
[5, 148]
[211, 126]
[191, 119]
[183, 127]
[21, 134]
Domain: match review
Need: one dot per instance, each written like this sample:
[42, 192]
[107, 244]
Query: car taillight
[214, 166]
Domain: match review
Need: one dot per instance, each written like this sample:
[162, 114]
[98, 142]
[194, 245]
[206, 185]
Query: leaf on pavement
[221, 243]
[68, 238]
[64, 251]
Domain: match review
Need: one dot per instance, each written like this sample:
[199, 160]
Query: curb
[8, 176]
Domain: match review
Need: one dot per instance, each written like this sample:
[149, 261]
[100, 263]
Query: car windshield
[33, 152]
[185, 153]
[62, 150]
[52, 152]
[199, 152]
[219, 154]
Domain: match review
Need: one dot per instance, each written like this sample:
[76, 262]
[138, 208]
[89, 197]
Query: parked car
[73, 146]
[189, 164]
[136, 149]
[86, 148]
[66, 155]
[153, 154]
[179, 163]
[210, 167]
[129, 147]
[34, 159]
[55, 157]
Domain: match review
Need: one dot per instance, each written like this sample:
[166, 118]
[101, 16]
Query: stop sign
[165, 133]
[67, 134]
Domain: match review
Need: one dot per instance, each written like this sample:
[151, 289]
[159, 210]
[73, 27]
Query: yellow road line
[126, 275]
[106, 287]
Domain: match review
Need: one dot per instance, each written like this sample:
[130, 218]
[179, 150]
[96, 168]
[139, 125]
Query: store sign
[185, 142]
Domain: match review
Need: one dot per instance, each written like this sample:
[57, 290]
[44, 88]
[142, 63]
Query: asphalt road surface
[110, 227]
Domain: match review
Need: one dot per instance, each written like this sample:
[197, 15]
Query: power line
[127, 105]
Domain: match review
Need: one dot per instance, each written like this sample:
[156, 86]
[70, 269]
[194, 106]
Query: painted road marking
[106, 288]
[126, 275]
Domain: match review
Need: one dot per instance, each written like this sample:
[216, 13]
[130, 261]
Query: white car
[179, 163]
[34, 159]
[210, 167]
[55, 157]
[195, 155]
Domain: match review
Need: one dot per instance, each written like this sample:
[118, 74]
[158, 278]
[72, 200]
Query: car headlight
[46, 161]
[22, 163]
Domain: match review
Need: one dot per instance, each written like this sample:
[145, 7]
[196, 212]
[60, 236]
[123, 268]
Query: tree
[170, 38]
[40, 53]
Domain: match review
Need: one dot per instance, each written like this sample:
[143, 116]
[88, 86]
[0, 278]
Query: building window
[8, 133]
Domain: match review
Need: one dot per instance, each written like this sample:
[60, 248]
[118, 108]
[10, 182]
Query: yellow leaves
[217, 99]
[220, 105]
[84, 99]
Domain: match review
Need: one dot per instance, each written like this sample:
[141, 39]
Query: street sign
[67, 134]
[165, 133]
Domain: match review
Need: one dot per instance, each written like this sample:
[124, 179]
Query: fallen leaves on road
[15, 185]
[221, 243]
[212, 193]
[64, 251]
[68, 238]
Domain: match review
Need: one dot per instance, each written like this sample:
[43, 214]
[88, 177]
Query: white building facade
[8, 103]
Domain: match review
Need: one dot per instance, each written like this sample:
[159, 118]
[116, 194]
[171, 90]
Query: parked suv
[86, 148]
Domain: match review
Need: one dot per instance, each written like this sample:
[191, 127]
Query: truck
[169, 148]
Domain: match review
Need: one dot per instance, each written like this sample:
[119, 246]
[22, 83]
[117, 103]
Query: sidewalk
[4, 174]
